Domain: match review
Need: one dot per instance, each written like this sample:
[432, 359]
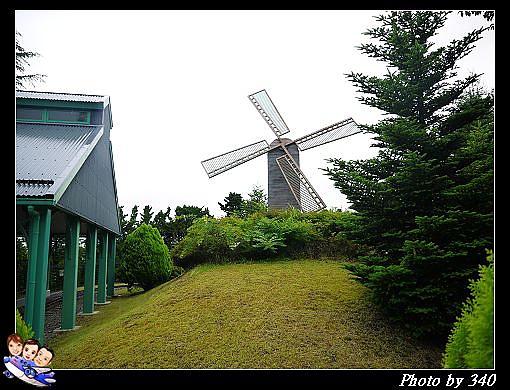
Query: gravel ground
[53, 310]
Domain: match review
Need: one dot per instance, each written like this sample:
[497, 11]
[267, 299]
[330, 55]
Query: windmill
[287, 184]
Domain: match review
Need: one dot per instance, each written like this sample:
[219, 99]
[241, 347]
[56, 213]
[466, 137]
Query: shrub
[263, 237]
[209, 240]
[145, 258]
[23, 329]
[265, 234]
[471, 342]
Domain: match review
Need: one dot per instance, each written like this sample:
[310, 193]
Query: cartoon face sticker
[43, 357]
[15, 345]
[30, 351]
[15, 348]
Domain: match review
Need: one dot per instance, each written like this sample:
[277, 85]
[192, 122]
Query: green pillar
[50, 262]
[41, 272]
[90, 270]
[101, 273]
[32, 241]
[110, 290]
[68, 313]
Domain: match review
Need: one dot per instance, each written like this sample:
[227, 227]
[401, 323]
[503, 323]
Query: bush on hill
[145, 259]
[267, 234]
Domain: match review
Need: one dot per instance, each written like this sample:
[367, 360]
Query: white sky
[179, 80]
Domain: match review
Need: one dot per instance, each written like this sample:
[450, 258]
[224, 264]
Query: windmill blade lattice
[328, 134]
[305, 194]
[267, 109]
[216, 165]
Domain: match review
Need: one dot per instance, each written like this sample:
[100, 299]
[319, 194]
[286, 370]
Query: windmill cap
[279, 141]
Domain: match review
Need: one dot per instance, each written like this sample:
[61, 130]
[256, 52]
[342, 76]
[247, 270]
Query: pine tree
[424, 208]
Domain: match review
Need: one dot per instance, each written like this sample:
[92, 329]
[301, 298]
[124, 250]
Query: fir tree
[425, 201]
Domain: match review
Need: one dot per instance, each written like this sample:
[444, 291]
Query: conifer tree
[147, 214]
[425, 201]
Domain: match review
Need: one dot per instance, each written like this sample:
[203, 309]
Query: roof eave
[35, 201]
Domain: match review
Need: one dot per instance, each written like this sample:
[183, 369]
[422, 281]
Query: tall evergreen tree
[163, 222]
[147, 214]
[127, 226]
[132, 223]
[425, 210]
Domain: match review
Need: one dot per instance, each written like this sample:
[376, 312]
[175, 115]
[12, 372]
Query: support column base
[60, 330]
[87, 314]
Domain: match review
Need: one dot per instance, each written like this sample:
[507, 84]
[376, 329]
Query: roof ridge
[58, 124]
[62, 93]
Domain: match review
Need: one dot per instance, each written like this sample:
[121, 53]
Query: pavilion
[65, 184]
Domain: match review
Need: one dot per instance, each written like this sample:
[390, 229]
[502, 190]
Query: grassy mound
[281, 314]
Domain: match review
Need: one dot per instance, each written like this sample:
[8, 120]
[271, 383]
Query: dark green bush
[144, 259]
[471, 342]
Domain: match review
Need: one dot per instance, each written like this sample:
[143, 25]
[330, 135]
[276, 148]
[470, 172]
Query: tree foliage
[232, 204]
[487, 15]
[145, 258]
[471, 342]
[267, 234]
[23, 329]
[425, 201]
[256, 202]
[235, 205]
[21, 264]
[23, 58]
[147, 214]
[184, 217]
[171, 229]
[163, 222]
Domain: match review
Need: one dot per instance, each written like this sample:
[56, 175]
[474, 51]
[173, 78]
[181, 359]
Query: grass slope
[285, 314]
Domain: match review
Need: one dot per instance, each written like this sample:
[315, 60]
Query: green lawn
[284, 314]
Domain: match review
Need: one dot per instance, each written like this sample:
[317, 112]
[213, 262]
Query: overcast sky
[179, 80]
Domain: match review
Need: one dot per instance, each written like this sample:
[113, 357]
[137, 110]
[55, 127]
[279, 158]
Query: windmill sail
[306, 196]
[267, 109]
[216, 165]
[331, 133]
